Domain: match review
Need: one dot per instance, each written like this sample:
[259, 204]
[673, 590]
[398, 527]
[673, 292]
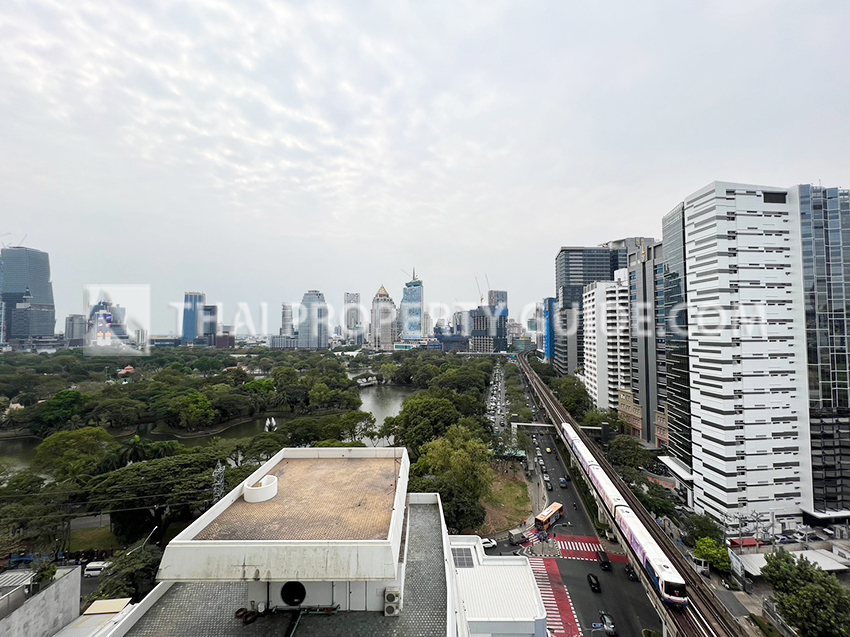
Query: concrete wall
[45, 613]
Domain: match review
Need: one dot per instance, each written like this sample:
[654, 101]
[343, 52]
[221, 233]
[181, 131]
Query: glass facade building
[193, 304]
[825, 237]
[313, 324]
[676, 339]
[410, 310]
[25, 280]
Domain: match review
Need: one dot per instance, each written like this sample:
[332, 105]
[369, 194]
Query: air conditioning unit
[392, 602]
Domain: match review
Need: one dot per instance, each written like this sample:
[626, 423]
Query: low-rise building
[329, 540]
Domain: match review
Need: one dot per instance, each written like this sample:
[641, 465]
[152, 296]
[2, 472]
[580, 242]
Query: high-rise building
[193, 303]
[313, 323]
[550, 327]
[489, 330]
[576, 267]
[499, 300]
[353, 332]
[287, 327]
[427, 325]
[384, 321]
[209, 324]
[605, 313]
[411, 309]
[76, 327]
[643, 399]
[825, 238]
[26, 293]
[738, 253]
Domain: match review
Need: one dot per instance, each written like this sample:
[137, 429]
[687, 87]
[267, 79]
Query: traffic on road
[588, 589]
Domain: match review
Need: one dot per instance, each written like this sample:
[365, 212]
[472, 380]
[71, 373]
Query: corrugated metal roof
[16, 578]
[500, 591]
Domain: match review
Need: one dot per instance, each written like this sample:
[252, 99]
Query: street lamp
[143, 543]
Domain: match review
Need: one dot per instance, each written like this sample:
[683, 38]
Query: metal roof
[15, 578]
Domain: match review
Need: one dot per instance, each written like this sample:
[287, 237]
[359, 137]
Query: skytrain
[666, 579]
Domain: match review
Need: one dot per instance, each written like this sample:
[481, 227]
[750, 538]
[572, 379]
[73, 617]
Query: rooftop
[311, 514]
[348, 499]
[206, 609]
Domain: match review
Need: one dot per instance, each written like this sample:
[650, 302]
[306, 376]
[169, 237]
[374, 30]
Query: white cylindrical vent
[260, 491]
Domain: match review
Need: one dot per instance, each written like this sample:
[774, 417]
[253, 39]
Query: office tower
[26, 293]
[76, 326]
[498, 299]
[643, 399]
[576, 267]
[550, 327]
[210, 324]
[313, 323]
[410, 310]
[531, 324]
[489, 330]
[462, 323]
[738, 252]
[427, 325]
[384, 321]
[193, 303]
[286, 324]
[353, 318]
[605, 312]
[825, 237]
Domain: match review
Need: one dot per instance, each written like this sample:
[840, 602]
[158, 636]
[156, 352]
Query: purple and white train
[666, 579]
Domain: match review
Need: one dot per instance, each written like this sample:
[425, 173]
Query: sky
[254, 150]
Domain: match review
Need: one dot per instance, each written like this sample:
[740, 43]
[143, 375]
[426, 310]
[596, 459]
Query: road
[572, 608]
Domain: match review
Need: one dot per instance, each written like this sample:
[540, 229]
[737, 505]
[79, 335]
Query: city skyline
[311, 164]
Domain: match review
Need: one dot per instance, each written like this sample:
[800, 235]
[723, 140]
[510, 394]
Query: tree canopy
[809, 599]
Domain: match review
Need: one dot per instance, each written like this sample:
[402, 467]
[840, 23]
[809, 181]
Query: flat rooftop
[205, 609]
[329, 514]
[317, 499]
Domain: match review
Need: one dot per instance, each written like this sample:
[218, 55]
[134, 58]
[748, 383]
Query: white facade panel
[749, 403]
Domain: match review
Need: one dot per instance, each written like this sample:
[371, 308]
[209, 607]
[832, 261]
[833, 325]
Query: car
[540, 462]
[562, 482]
[548, 449]
[594, 583]
[487, 543]
[94, 569]
[545, 475]
[604, 560]
[607, 623]
[548, 485]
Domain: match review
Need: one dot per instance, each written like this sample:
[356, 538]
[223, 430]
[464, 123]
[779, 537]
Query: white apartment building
[605, 313]
[747, 353]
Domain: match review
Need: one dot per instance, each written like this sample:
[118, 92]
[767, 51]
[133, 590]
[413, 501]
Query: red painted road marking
[569, 619]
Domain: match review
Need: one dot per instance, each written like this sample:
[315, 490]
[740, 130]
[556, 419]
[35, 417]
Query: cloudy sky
[256, 149]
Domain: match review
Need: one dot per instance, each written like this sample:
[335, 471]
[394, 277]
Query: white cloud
[257, 149]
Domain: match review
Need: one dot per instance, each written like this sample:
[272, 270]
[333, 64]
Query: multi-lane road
[572, 607]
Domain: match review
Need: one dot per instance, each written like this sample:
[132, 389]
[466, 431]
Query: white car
[488, 543]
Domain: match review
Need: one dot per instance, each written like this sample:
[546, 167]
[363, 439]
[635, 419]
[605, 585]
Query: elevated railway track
[705, 615]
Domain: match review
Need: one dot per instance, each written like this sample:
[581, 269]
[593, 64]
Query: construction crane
[480, 296]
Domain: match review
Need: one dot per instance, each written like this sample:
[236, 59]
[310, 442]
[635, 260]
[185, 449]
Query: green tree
[59, 409]
[625, 451]
[69, 454]
[714, 553]
[696, 526]
[573, 396]
[421, 419]
[595, 418]
[809, 599]
[131, 574]
[459, 458]
[194, 410]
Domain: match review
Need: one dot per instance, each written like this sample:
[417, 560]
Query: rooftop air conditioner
[392, 602]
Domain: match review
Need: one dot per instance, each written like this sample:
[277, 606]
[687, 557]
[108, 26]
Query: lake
[381, 400]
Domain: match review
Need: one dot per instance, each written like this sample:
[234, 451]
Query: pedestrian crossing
[561, 618]
[575, 547]
[553, 613]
